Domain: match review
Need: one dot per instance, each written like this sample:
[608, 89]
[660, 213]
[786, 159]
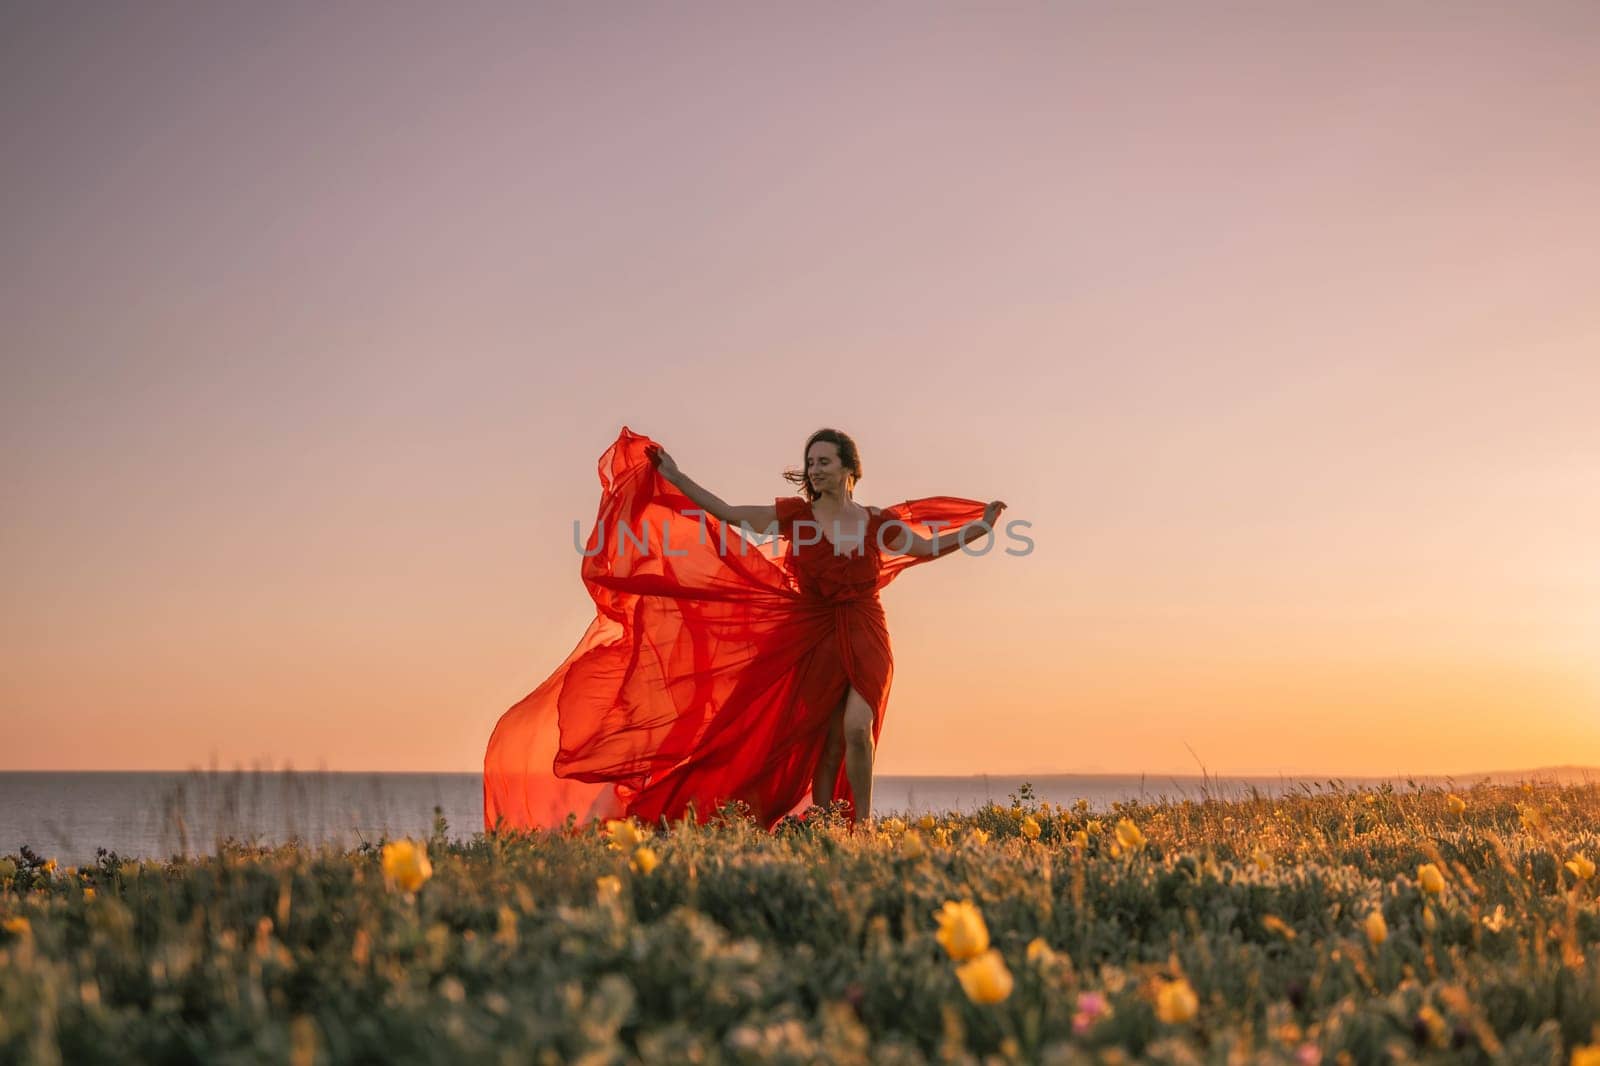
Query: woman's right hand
[664, 463]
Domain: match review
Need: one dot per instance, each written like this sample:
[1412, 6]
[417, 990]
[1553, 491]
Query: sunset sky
[1282, 328]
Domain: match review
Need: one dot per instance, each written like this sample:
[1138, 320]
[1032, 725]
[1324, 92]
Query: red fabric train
[713, 664]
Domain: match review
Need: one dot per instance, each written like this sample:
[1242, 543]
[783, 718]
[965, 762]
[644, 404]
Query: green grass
[817, 945]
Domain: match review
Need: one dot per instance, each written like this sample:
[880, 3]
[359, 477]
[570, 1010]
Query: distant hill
[1561, 775]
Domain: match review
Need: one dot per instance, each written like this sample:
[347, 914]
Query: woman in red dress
[719, 668]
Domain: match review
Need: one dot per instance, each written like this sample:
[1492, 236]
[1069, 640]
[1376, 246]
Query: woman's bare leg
[858, 752]
[832, 754]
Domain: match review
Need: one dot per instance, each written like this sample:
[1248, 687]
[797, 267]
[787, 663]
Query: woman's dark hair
[849, 458]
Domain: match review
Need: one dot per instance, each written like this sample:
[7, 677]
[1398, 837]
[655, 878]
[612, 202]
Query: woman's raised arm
[759, 518]
[905, 542]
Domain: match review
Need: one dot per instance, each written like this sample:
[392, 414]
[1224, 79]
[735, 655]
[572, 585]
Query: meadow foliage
[1327, 926]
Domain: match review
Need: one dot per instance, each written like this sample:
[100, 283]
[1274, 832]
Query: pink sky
[1281, 328]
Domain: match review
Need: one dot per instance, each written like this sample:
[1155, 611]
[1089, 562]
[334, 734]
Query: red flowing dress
[714, 663]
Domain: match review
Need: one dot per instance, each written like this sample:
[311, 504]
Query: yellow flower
[978, 836]
[1128, 835]
[17, 925]
[1581, 867]
[911, 845]
[88, 892]
[1431, 880]
[1273, 924]
[50, 866]
[1457, 805]
[1030, 828]
[1039, 950]
[1498, 920]
[406, 865]
[624, 834]
[1433, 1022]
[1586, 1055]
[1176, 1002]
[985, 978]
[1430, 920]
[1262, 858]
[1377, 928]
[644, 859]
[1532, 818]
[892, 826]
[926, 823]
[941, 837]
[506, 931]
[1094, 825]
[608, 888]
[1080, 840]
[962, 931]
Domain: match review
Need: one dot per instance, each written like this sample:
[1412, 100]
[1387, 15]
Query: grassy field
[1330, 926]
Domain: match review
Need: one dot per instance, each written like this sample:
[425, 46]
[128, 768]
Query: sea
[70, 816]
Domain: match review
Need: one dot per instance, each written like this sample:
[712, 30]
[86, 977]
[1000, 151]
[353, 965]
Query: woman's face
[824, 469]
